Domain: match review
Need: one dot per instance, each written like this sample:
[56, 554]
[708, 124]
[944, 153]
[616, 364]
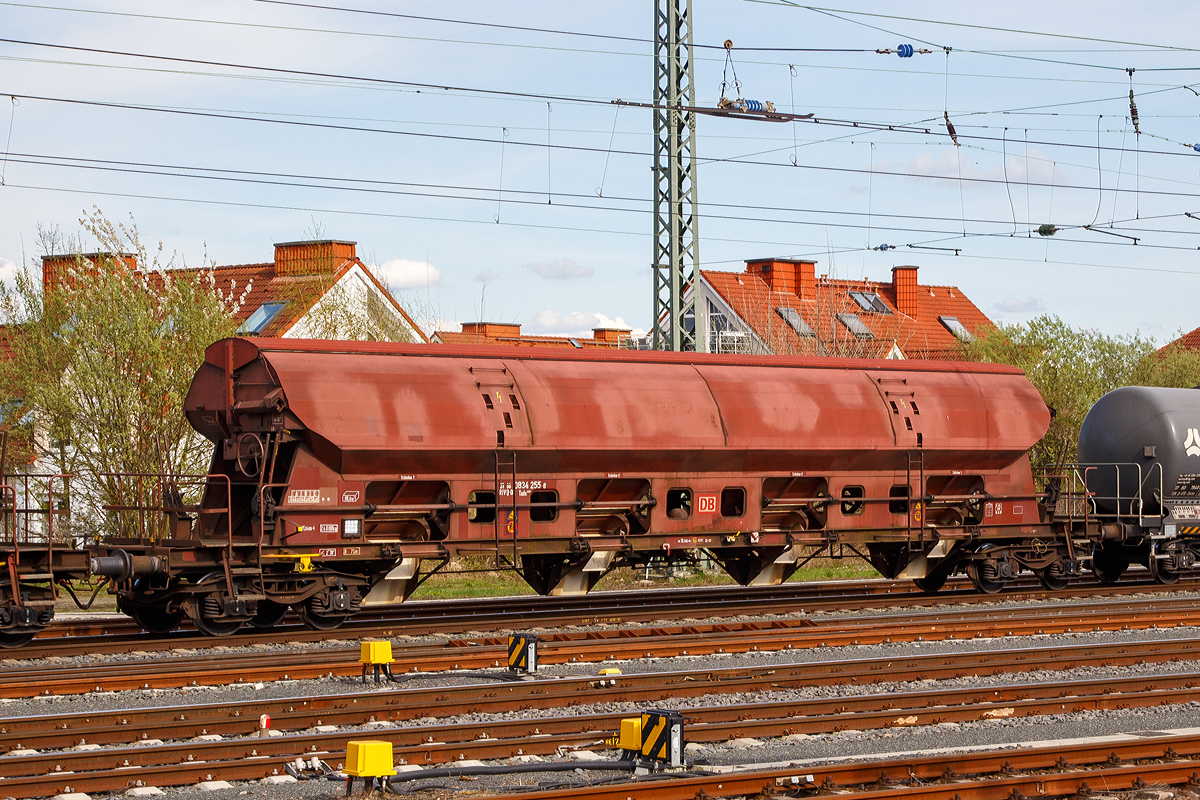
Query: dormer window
[856, 326]
[795, 321]
[871, 302]
[957, 328]
[261, 318]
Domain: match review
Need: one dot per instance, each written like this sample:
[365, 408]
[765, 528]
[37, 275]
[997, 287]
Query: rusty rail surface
[773, 718]
[33, 775]
[82, 637]
[1064, 770]
[613, 644]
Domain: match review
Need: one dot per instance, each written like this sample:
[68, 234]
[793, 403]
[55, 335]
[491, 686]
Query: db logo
[706, 503]
[351, 497]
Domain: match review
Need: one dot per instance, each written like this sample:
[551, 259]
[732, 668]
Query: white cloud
[1030, 305]
[563, 270]
[576, 323]
[951, 162]
[400, 273]
[8, 271]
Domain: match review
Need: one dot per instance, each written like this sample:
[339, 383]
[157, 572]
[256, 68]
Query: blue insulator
[754, 105]
[1196, 147]
[905, 51]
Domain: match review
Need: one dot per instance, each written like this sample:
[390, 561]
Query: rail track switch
[662, 737]
[376, 654]
[368, 759]
[522, 653]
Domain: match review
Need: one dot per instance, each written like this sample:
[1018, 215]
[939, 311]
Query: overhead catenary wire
[710, 215]
[976, 26]
[12, 119]
[453, 137]
[964, 128]
[322, 181]
[580, 148]
[960, 185]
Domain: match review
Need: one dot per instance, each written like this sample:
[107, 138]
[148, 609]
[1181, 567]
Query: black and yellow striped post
[662, 737]
[522, 653]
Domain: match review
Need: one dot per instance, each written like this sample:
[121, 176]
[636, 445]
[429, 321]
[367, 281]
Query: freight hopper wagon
[344, 474]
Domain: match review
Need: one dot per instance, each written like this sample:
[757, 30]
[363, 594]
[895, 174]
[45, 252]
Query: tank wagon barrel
[1139, 454]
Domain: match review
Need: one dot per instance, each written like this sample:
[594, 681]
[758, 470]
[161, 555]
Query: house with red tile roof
[1189, 341]
[509, 333]
[299, 294]
[782, 306]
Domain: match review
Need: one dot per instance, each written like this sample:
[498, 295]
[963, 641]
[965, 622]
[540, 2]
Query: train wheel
[933, 581]
[216, 627]
[1108, 567]
[983, 578]
[317, 621]
[156, 620]
[1161, 572]
[1051, 577]
[935, 578]
[9, 639]
[269, 614]
[930, 584]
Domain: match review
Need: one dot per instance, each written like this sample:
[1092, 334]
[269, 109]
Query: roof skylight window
[856, 326]
[261, 317]
[957, 328]
[797, 323]
[870, 301]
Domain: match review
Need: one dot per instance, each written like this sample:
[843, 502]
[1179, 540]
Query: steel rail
[1051, 771]
[28, 775]
[859, 712]
[429, 617]
[599, 645]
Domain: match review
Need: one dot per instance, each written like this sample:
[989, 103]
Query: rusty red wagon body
[345, 473]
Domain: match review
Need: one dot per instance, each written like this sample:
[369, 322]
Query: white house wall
[358, 286]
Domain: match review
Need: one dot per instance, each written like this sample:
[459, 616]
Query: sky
[486, 172]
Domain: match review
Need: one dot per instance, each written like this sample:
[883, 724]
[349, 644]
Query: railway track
[860, 712]
[1062, 770]
[120, 635]
[27, 774]
[616, 644]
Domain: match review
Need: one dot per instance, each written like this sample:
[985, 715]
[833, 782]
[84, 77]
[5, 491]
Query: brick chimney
[56, 269]
[610, 335]
[312, 258]
[806, 280]
[784, 275]
[491, 330]
[904, 284]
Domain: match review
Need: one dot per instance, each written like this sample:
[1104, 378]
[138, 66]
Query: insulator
[1196, 147]
[1046, 230]
[950, 128]
[905, 51]
[754, 105]
[886, 247]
